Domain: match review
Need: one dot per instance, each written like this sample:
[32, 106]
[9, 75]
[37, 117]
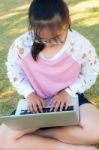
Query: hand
[60, 100]
[35, 103]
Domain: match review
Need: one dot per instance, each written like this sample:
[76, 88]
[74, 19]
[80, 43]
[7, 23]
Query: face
[50, 38]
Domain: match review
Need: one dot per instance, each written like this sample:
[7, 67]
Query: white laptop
[22, 120]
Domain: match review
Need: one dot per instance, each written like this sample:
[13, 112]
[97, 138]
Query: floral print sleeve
[77, 46]
[15, 74]
[89, 69]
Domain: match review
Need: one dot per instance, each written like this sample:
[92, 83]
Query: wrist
[68, 90]
[31, 95]
[65, 92]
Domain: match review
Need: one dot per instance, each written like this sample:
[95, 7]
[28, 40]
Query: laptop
[23, 119]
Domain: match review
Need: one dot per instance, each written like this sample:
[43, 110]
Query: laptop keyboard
[47, 110]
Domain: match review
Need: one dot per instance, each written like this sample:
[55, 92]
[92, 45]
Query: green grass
[14, 22]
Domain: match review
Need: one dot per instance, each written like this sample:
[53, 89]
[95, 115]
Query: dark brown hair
[46, 13]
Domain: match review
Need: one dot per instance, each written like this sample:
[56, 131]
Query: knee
[5, 140]
[95, 136]
[92, 133]
[3, 144]
[6, 144]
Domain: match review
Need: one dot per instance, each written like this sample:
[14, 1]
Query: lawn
[14, 22]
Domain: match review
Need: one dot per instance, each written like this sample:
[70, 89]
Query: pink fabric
[49, 77]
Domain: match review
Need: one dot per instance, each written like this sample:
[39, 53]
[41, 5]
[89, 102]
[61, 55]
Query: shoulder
[26, 39]
[79, 39]
[22, 44]
[80, 46]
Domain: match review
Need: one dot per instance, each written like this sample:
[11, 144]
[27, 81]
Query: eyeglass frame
[46, 41]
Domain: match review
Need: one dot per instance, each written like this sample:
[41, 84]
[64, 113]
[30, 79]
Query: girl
[53, 61]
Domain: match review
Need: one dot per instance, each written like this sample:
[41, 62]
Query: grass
[14, 22]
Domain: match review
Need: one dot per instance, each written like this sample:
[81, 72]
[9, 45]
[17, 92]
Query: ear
[70, 20]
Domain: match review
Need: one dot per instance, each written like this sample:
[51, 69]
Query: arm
[15, 73]
[89, 70]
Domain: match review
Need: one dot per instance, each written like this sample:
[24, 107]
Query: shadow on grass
[73, 2]
[13, 26]
[13, 20]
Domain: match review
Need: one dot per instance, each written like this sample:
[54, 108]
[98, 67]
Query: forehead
[48, 32]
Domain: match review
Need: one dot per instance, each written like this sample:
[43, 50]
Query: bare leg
[86, 133]
[40, 143]
[16, 134]
[32, 142]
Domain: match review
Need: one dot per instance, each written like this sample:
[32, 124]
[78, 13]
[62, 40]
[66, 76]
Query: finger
[67, 103]
[57, 105]
[42, 102]
[35, 107]
[31, 108]
[53, 105]
[52, 100]
[39, 105]
[61, 106]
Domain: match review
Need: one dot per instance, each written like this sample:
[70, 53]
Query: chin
[52, 45]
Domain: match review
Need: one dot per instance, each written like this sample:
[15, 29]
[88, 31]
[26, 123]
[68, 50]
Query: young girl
[53, 61]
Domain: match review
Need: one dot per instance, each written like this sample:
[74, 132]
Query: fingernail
[51, 109]
[41, 110]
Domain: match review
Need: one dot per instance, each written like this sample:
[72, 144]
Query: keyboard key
[47, 110]
[70, 108]
[24, 112]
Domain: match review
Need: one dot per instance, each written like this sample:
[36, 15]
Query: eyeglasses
[54, 40]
